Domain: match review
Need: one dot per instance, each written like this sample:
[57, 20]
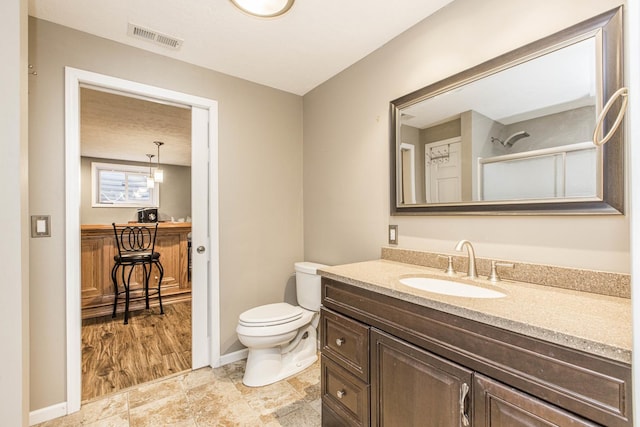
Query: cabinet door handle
[340, 341]
[464, 400]
[340, 394]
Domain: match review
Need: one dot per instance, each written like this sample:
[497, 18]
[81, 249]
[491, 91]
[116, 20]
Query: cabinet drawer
[344, 394]
[346, 341]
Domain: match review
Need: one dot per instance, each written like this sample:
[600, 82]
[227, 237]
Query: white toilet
[281, 338]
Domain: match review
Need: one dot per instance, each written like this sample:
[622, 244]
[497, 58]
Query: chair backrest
[135, 238]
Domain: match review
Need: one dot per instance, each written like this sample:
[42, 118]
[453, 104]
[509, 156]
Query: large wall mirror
[515, 134]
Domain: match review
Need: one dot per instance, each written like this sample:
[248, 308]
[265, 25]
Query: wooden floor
[116, 356]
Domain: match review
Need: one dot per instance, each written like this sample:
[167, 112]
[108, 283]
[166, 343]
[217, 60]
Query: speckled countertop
[596, 324]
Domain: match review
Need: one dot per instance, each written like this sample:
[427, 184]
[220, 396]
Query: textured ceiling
[296, 52]
[123, 128]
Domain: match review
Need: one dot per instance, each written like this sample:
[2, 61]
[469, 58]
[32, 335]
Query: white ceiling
[296, 52]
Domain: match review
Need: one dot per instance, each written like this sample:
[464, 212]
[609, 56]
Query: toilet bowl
[281, 337]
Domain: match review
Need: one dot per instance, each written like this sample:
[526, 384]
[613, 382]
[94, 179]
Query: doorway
[118, 133]
[205, 273]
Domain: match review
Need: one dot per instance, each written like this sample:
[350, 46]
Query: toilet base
[269, 365]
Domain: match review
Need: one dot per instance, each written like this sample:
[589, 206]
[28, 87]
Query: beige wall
[346, 154]
[14, 247]
[175, 195]
[260, 193]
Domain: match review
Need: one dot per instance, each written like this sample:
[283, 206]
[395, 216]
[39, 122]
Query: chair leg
[126, 293]
[161, 270]
[147, 277]
[114, 280]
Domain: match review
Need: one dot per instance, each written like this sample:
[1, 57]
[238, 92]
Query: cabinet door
[497, 405]
[91, 269]
[412, 387]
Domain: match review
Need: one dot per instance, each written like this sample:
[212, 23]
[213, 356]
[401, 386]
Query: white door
[202, 229]
[443, 170]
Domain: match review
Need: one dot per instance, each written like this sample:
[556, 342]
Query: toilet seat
[271, 315]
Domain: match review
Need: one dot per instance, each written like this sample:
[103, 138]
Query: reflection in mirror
[516, 130]
[472, 135]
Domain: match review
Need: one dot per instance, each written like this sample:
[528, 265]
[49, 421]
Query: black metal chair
[136, 247]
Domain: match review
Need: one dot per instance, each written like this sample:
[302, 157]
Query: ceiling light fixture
[158, 175]
[150, 181]
[264, 8]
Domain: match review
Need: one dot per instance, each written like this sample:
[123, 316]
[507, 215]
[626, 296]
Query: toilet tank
[308, 285]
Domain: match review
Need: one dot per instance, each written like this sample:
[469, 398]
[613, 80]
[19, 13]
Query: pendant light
[150, 181]
[264, 8]
[158, 175]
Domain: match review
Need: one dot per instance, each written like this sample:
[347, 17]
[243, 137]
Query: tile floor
[206, 397]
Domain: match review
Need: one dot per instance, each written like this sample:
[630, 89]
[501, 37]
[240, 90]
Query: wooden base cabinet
[427, 368]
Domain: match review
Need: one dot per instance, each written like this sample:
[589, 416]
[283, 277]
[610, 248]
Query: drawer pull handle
[340, 394]
[339, 342]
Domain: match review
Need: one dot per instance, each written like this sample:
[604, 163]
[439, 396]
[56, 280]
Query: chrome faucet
[472, 272]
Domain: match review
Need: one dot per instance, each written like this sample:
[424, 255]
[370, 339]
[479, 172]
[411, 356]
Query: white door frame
[205, 300]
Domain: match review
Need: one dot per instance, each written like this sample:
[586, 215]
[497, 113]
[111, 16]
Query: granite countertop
[596, 324]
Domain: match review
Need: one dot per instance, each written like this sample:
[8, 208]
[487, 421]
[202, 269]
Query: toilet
[281, 337]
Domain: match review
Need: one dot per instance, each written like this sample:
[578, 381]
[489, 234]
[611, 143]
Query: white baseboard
[48, 413]
[225, 359]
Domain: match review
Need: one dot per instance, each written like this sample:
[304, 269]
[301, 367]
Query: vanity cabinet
[426, 367]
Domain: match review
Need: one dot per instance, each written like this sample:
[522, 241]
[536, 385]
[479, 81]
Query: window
[115, 185]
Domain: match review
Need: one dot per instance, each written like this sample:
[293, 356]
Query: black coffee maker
[148, 215]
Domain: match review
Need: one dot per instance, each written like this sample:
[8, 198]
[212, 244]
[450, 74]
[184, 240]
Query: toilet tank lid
[308, 267]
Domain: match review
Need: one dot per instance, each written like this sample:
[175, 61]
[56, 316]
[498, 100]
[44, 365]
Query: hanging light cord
[158, 143]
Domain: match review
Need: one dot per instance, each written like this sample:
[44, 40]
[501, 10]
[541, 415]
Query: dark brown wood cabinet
[423, 367]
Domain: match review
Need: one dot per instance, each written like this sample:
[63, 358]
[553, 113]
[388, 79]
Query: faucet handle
[494, 270]
[449, 270]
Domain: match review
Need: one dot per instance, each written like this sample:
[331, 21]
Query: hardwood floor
[116, 356]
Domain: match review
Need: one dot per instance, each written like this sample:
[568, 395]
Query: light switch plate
[393, 234]
[40, 225]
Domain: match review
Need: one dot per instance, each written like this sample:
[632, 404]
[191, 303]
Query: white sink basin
[448, 287]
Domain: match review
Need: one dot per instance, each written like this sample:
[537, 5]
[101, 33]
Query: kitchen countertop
[595, 324]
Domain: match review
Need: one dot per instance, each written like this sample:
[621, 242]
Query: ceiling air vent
[154, 36]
